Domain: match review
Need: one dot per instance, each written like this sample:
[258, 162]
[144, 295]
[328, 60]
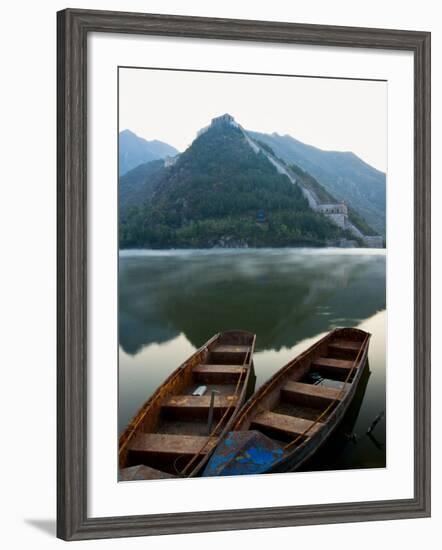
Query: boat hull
[299, 457]
[178, 427]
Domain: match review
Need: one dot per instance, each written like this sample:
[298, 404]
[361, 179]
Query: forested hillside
[220, 192]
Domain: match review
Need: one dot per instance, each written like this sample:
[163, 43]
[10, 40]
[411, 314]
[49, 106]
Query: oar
[211, 407]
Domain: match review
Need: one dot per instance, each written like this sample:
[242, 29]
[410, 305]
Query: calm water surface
[171, 302]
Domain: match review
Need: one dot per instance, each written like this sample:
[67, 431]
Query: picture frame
[73, 28]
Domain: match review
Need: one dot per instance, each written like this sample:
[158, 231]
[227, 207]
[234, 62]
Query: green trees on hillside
[211, 197]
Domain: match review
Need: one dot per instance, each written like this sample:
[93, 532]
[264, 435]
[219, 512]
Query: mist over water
[171, 302]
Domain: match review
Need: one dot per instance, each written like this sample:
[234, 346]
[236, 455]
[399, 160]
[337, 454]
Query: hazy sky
[340, 115]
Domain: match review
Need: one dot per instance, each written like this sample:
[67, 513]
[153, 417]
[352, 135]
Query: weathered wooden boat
[177, 429]
[331, 451]
[290, 417]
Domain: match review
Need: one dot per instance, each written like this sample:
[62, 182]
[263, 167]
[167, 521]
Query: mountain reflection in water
[282, 295]
[171, 302]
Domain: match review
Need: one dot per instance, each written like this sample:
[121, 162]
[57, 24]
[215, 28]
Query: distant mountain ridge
[138, 185]
[134, 150]
[343, 174]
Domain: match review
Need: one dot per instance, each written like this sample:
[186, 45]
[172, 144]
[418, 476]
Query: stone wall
[338, 219]
[170, 161]
[339, 208]
[374, 241]
[337, 213]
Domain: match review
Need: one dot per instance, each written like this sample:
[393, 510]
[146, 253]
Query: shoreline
[305, 250]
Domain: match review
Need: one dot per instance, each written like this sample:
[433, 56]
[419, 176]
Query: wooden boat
[288, 419]
[175, 431]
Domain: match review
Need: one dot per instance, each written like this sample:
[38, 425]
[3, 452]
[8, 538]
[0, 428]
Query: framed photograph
[243, 274]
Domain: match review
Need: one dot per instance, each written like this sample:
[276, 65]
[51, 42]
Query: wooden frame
[73, 28]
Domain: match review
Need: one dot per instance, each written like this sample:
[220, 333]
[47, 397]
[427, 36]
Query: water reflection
[172, 302]
[284, 295]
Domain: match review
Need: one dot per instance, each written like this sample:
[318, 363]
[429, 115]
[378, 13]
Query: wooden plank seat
[343, 349]
[288, 425]
[196, 407]
[141, 472]
[347, 344]
[217, 374]
[229, 348]
[310, 394]
[228, 354]
[145, 444]
[340, 367]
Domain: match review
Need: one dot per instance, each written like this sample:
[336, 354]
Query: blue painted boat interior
[242, 453]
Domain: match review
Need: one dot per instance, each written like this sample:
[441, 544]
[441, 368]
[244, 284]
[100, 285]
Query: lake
[171, 302]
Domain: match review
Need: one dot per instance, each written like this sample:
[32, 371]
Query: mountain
[224, 190]
[325, 197]
[133, 151]
[138, 185]
[344, 175]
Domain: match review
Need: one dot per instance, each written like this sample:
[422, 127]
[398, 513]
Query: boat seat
[310, 394]
[289, 425]
[347, 344]
[217, 374]
[196, 407]
[147, 444]
[229, 348]
[228, 354]
[140, 472]
[340, 367]
[344, 348]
